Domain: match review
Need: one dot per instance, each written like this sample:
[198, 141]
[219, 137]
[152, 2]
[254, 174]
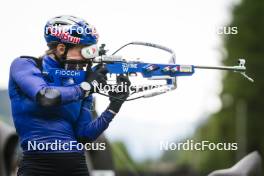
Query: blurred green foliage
[241, 116]
[121, 157]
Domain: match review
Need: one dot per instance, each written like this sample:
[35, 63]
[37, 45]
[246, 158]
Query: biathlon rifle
[154, 71]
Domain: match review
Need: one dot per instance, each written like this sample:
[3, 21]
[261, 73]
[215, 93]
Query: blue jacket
[63, 124]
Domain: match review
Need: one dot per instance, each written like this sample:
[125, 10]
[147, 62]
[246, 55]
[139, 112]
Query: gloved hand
[96, 79]
[118, 98]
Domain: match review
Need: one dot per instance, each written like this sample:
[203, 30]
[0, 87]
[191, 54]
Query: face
[78, 56]
[78, 52]
[74, 59]
[75, 53]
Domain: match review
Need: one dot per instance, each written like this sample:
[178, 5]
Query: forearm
[88, 129]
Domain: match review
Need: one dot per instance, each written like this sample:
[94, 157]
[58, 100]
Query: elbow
[48, 97]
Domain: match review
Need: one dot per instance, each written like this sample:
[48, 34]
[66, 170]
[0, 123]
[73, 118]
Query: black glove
[118, 98]
[96, 79]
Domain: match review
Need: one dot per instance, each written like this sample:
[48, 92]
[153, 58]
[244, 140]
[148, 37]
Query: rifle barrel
[232, 68]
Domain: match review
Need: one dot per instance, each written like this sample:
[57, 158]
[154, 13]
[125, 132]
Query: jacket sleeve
[30, 80]
[87, 129]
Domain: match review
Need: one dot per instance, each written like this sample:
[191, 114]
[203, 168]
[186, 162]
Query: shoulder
[23, 62]
[23, 65]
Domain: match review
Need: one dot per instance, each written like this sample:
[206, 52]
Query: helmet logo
[65, 36]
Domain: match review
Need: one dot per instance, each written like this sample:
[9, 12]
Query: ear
[60, 49]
